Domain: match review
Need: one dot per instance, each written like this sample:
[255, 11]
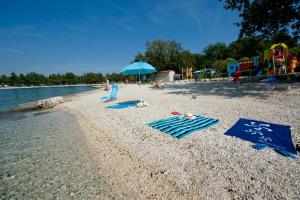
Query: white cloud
[194, 10]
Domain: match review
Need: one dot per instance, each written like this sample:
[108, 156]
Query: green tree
[13, 79]
[36, 79]
[70, 78]
[295, 51]
[285, 38]
[200, 60]
[91, 78]
[4, 80]
[187, 59]
[220, 66]
[266, 17]
[22, 79]
[54, 79]
[163, 55]
[140, 57]
[216, 51]
[247, 47]
[244, 59]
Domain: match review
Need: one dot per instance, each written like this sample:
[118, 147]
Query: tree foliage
[247, 47]
[69, 78]
[267, 17]
[164, 55]
[216, 51]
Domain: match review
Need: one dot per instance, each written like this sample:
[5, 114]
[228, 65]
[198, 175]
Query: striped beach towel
[180, 127]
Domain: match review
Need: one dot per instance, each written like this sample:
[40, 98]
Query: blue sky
[51, 36]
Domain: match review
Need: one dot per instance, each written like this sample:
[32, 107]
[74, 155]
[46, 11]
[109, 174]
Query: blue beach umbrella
[138, 68]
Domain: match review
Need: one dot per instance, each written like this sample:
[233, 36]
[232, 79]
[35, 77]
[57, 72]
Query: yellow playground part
[187, 72]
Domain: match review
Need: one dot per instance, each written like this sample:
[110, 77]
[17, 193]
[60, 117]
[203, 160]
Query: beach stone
[50, 103]
[4, 175]
[282, 87]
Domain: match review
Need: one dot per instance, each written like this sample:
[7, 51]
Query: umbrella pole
[140, 78]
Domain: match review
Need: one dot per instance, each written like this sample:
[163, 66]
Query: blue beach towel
[180, 127]
[123, 105]
[264, 135]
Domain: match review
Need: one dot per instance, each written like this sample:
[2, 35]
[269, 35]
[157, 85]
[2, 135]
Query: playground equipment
[277, 57]
[187, 72]
[234, 70]
[271, 62]
[293, 63]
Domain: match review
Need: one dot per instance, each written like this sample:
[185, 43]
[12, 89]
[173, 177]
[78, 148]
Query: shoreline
[205, 164]
[133, 180]
[32, 105]
[50, 86]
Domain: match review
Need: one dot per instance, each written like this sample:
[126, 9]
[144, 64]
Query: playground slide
[259, 73]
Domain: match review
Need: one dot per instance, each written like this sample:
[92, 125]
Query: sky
[59, 36]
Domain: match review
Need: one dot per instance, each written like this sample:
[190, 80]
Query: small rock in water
[50, 103]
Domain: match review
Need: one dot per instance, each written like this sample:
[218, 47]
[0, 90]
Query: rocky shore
[39, 105]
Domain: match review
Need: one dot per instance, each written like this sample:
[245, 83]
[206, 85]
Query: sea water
[10, 98]
[44, 155]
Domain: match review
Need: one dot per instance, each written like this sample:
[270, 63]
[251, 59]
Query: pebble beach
[143, 163]
[88, 151]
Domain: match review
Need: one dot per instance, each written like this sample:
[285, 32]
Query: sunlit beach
[150, 100]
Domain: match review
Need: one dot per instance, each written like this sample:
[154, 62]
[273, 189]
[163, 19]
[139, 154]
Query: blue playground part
[180, 127]
[232, 68]
[259, 73]
[113, 93]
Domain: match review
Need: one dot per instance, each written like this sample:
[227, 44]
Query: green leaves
[267, 18]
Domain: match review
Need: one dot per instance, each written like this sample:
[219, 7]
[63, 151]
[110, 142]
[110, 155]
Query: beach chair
[112, 95]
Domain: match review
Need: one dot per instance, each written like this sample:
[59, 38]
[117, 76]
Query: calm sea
[10, 98]
[44, 154]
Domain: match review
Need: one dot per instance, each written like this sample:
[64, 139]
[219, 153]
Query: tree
[36, 79]
[285, 38]
[13, 79]
[55, 79]
[244, 59]
[140, 57]
[216, 51]
[200, 60]
[92, 78]
[70, 78]
[22, 80]
[187, 58]
[295, 51]
[220, 66]
[4, 80]
[162, 54]
[247, 47]
[266, 17]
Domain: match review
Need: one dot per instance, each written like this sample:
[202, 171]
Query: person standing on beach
[196, 76]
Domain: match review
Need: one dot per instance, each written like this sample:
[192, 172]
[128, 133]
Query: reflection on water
[44, 155]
